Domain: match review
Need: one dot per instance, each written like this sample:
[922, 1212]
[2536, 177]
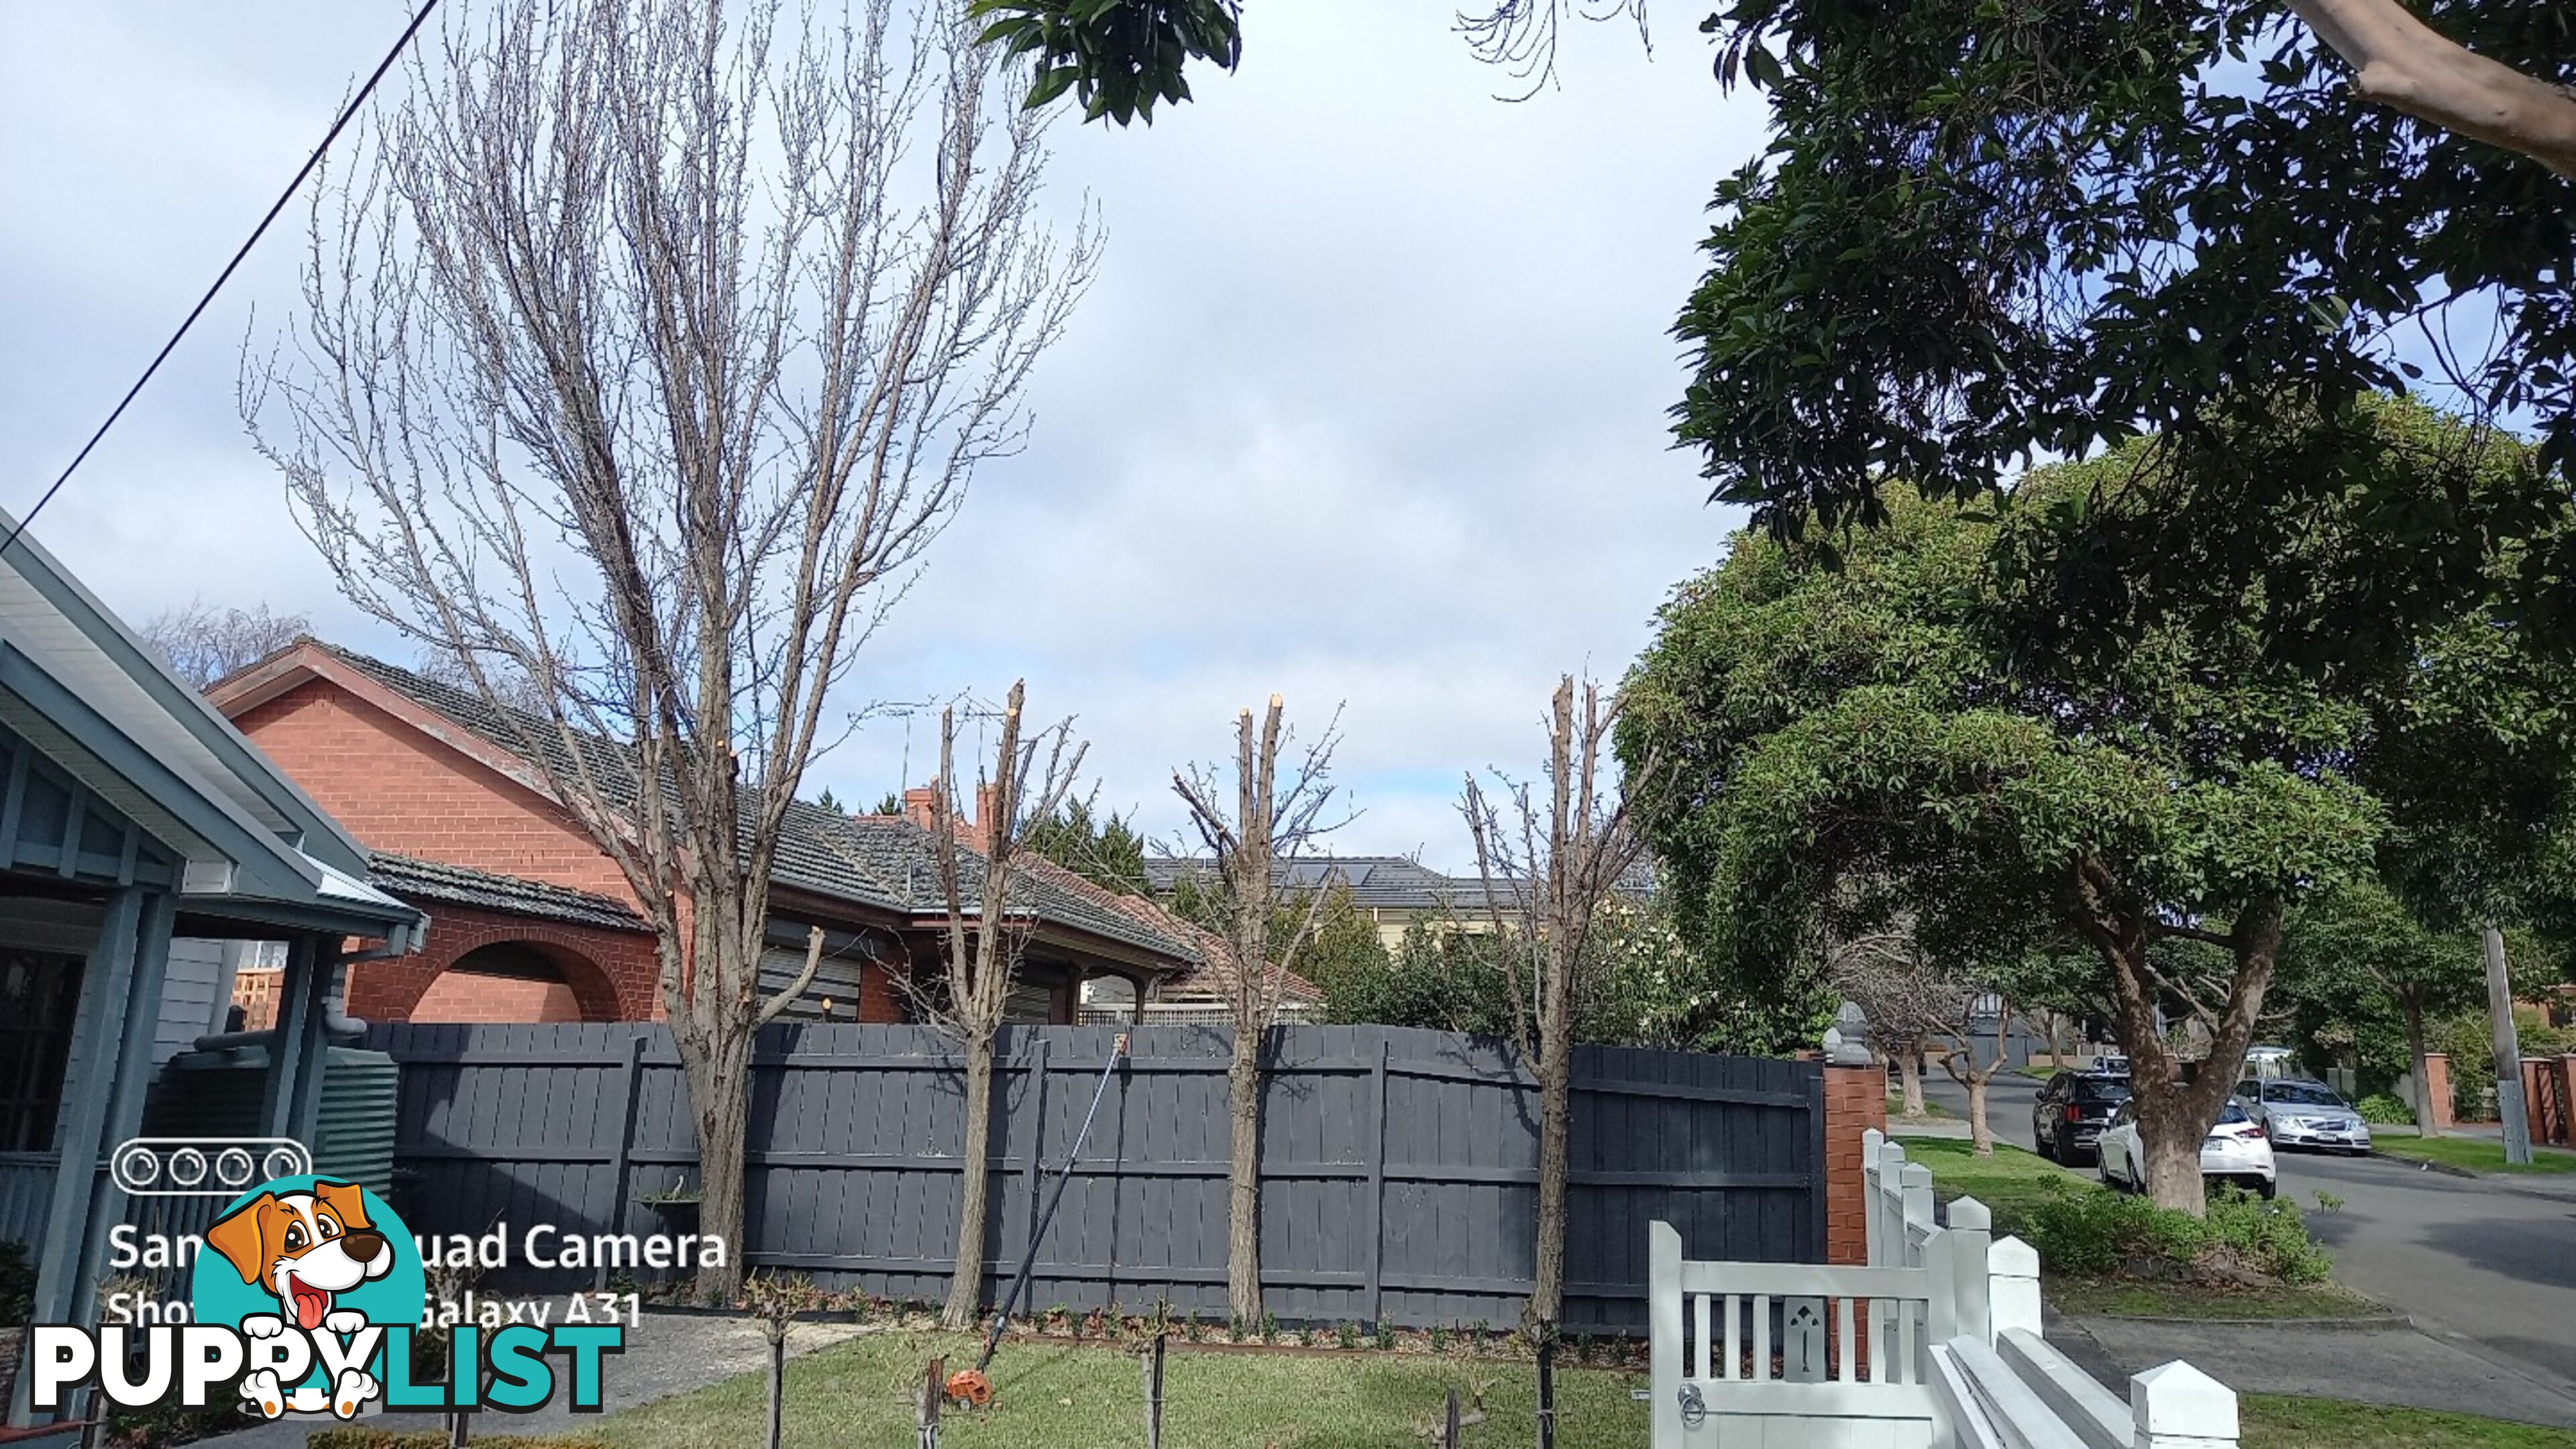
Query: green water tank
[217, 1094]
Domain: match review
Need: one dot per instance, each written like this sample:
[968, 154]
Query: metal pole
[2508, 1052]
[1449, 1429]
[458, 1429]
[1029, 1258]
[1154, 1393]
[1547, 1392]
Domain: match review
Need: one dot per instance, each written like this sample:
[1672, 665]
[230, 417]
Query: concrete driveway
[2485, 1264]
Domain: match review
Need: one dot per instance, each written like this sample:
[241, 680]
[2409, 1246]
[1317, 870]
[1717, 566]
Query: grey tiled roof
[881, 861]
[1376, 882]
[1385, 882]
[419, 880]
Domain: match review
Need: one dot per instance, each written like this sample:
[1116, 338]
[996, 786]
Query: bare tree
[642, 359]
[1030, 781]
[1550, 876]
[202, 643]
[1880, 969]
[1919, 1004]
[1270, 820]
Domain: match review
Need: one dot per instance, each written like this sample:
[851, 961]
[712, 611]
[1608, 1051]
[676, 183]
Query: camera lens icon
[205, 1167]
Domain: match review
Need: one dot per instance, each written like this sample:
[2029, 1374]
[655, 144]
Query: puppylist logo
[304, 1300]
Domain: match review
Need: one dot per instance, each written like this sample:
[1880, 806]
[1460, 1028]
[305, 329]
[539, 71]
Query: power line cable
[347, 114]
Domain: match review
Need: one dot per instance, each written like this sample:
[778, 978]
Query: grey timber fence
[1399, 1167]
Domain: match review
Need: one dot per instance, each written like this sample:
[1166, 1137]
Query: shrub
[2091, 1233]
[2383, 1108]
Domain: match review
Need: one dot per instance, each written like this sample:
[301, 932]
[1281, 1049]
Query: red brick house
[529, 921]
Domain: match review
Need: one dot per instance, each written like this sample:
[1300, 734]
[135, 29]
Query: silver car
[2297, 1113]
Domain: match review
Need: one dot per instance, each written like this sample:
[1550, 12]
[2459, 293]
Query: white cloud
[1367, 404]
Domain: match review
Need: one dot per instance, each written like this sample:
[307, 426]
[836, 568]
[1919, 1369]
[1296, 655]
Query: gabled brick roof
[881, 861]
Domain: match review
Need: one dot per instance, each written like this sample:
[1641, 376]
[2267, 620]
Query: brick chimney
[988, 800]
[921, 807]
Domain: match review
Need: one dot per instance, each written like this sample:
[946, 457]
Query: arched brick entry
[611, 975]
[517, 981]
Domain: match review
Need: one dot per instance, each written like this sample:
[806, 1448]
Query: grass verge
[2010, 1183]
[2030, 1196]
[1064, 1396]
[2474, 1153]
[2116, 1299]
[2271, 1421]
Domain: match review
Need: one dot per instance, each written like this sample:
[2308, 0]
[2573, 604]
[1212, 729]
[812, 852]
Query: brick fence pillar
[1855, 1101]
[2437, 1088]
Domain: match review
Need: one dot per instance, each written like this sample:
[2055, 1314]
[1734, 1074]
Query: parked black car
[2071, 1111]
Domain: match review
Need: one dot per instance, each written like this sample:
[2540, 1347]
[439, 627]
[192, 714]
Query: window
[2301, 1094]
[39, 996]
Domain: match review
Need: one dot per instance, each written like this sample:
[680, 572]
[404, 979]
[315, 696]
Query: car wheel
[2041, 1144]
[2265, 1188]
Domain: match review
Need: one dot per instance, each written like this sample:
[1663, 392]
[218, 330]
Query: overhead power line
[347, 114]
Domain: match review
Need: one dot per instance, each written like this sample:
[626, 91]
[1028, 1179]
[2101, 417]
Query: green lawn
[1059, 1396]
[2168, 1300]
[1931, 1109]
[2475, 1153]
[2006, 1183]
[2273, 1422]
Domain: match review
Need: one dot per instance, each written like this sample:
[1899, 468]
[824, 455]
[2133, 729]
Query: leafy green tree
[1104, 850]
[2358, 954]
[1986, 230]
[1868, 722]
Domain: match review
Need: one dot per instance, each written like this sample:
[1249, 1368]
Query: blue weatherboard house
[146, 851]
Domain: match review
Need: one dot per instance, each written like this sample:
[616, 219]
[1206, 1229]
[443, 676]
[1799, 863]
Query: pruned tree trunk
[1981, 1135]
[1243, 1185]
[722, 1123]
[982, 947]
[1909, 1081]
[975, 1195]
[1544, 894]
[1266, 821]
[1555, 1119]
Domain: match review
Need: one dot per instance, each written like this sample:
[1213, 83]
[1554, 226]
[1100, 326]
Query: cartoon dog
[306, 1248]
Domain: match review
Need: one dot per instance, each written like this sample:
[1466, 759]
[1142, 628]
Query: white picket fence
[1935, 1343]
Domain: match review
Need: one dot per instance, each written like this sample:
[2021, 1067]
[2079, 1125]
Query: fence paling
[1399, 1166]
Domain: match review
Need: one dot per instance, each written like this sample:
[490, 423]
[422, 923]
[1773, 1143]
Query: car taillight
[2074, 1113]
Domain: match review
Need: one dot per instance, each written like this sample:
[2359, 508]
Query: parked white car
[2236, 1150]
[2297, 1113]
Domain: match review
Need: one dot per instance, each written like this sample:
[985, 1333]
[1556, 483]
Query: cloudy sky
[1366, 407]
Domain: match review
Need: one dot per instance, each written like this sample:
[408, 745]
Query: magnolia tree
[640, 362]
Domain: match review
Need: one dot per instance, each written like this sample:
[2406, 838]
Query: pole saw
[970, 1386]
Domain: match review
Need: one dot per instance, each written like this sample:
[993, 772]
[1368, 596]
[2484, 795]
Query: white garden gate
[1934, 1343]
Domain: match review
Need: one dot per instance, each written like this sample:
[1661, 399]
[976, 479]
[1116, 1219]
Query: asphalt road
[2487, 1266]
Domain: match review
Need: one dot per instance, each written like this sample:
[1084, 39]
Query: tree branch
[2400, 62]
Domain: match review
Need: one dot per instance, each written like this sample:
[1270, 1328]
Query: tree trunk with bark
[722, 1123]
[1909, 1079]
[1266, 820]
[2419, 1059]
[1243, 1183]
[1555, 1118]
[1544, 894]
[975, 1195]
[1981, 1134]
[2174, 1116]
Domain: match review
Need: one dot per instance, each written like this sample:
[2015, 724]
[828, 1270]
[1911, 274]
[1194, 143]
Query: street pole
[2508, 1052]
